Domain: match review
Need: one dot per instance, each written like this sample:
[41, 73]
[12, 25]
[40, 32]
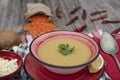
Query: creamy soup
[48, 51]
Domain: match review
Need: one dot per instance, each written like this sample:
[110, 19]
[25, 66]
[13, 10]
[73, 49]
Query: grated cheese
[7, 66]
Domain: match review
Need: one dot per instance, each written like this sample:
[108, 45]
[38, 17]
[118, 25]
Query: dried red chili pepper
[84, 15]
[58, 13]
[110, 21]
[100, 17]
[75, 9]
[97, 12]
[72, 20]
[80, 29]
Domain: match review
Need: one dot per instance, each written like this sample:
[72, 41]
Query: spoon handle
[107, 76]
[118, 63]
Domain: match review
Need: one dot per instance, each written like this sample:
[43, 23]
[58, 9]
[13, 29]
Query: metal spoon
[109, 46]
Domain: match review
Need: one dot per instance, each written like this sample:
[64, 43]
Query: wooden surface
[12, 12]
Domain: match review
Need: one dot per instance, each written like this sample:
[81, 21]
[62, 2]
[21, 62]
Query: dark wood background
[12, 12]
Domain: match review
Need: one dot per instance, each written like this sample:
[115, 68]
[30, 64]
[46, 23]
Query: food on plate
[96, 65]
[8, 39]
[64, 51]
[7, 66]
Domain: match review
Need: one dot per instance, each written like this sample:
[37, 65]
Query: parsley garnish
[65, 49]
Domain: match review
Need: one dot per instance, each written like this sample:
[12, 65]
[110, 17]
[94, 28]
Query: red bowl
[11, 55]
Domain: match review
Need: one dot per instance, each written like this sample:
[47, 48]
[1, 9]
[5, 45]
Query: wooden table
[12, 13]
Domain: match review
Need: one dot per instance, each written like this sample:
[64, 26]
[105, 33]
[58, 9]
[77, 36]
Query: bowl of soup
[64, 52]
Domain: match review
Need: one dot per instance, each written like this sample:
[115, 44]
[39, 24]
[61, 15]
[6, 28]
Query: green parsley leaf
[65, 49]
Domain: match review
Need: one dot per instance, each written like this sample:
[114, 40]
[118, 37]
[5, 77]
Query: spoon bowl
[109, 46]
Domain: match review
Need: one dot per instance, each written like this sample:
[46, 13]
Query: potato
[8, 39]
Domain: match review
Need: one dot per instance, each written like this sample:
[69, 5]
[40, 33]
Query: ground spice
[39, 25]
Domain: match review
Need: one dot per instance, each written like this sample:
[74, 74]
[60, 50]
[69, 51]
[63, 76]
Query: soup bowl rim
[65, 67]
